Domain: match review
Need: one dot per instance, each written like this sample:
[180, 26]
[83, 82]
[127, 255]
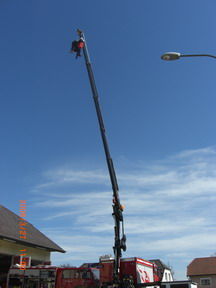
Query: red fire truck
[134, 270]
[53, 277]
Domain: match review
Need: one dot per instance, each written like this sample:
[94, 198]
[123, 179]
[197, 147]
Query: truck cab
[179, 284]
[77, 277]
[53, 277]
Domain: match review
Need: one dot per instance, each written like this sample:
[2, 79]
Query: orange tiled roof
[202, 266]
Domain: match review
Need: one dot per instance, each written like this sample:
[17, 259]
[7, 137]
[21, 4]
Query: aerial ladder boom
[120, 238]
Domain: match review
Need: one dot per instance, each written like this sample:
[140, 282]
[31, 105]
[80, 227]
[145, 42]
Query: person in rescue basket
[76, 46]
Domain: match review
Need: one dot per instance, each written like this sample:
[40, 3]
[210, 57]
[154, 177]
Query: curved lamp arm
[169, 56]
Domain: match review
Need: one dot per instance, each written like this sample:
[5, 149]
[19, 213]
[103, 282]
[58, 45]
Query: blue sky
[159, 117]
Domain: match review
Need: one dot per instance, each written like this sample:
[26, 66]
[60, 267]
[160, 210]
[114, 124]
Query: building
[37, 246]
[165, 273]
[203, 272]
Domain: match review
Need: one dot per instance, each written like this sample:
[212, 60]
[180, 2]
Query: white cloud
[165, 226]
[197, 153]
[170, 208]
[61, 177]
[205, 241]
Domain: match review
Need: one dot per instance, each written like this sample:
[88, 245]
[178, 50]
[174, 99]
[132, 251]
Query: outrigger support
[120, 237]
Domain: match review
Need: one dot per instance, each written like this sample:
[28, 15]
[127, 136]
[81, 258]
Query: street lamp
[175, 56]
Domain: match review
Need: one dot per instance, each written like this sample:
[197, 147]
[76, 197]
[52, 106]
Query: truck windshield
[96, 273]
[76, 274]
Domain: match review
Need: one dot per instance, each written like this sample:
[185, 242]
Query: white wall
[167, 276]
[10, 248]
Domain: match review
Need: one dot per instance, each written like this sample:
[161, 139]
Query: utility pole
[120, 237]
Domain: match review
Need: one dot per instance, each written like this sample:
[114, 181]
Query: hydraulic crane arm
[120, 238]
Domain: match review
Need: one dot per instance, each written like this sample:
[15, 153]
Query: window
[67, 274]
[85, 275]
[166, 276]
[205, 281]
[76, 274]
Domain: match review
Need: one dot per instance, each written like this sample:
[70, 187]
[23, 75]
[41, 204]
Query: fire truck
[133, 271]
[53, 277]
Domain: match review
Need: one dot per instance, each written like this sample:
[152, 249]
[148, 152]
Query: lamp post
[169, 56]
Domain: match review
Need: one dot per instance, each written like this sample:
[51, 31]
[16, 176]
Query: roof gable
[160, 264]
[9, 229]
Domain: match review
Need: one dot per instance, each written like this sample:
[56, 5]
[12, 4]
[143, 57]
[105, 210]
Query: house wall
[11, 248]
[197, 280]
[167, 276]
